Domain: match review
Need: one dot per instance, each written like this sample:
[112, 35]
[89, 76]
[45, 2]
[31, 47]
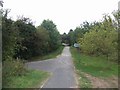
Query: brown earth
[103, 83]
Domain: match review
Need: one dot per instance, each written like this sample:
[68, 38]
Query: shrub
[102, 39]
[12, 68]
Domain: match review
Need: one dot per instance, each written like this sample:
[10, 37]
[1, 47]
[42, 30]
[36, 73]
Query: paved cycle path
[62, 69]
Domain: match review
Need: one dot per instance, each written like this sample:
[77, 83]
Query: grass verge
[96, 66]
[50, 55]
[84, 82]
[32, 79]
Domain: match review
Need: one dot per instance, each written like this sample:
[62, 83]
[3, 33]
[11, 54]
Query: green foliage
[41, 41]
[32, 79]
[97, 38]
[53, 54]
[65, 38]
[84, 82]
[54, 35]
[36, 41]
[9, 38]
[80, 31]
[12, 68]
[102, 39]
[71, 37]
[26, 40]
[22, 40]
[117, 25]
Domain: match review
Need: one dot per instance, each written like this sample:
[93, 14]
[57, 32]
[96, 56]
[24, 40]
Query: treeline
[97, 38]
[21, 40]
[73, 35]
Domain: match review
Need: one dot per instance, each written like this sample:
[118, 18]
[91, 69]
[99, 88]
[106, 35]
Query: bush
[12, 68]
[102, 39]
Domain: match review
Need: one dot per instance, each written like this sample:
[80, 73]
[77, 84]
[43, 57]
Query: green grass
[83, 81]
[50, 55]
[96, 66]
[32, 79]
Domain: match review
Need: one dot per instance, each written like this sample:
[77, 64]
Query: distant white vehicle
[76, 45]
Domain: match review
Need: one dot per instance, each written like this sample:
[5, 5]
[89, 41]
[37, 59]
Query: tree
[71, 37]
[54, 35]
[116, 15]
[65, 38]
[102, 39]
[9, 37]
[41, 41]
[26, 43]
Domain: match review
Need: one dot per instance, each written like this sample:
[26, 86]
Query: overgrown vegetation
[32, 79]
[98, 51]
[12, 68]
[22, 41]
[102, 39]
[84, 82]
[97, 38]
[50, 55]
[96, 66]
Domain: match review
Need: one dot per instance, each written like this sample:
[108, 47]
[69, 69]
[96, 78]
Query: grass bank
[50, 55]
[32, 79]
[84, 82]
[95, 66]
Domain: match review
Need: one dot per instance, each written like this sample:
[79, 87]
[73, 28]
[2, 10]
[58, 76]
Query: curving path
[62, 69]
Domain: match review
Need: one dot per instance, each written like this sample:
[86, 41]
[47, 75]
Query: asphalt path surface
[62, 69]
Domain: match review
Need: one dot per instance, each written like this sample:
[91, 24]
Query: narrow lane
[62, 69]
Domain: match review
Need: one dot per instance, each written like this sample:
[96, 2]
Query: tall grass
[32, 79]
[96, 66]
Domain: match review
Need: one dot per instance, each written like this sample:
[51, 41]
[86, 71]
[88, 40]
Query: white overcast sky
[66, 14]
